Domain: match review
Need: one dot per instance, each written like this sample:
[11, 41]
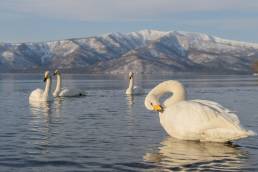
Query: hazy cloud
[133, 10]
[23, 20]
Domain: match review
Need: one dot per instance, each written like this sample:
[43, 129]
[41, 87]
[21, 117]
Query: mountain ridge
[144, 51]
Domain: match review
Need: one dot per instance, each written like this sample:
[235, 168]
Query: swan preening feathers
[65, 92]
[133, 90]
[199, 120]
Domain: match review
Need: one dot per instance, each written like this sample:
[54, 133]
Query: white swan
[133, 90]
[65, 92]
[200, 120]
[39, 94]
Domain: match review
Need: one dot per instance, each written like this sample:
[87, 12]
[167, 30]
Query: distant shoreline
[123, 73]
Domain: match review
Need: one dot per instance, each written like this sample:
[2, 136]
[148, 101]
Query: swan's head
[131, 75]
[57, 72]
[47, 76]
[152, 103]
[152, 100]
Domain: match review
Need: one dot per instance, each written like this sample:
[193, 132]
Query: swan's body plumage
[200, 120]
[65, 92]
[133, 90]
[42, 95]
[36, 94]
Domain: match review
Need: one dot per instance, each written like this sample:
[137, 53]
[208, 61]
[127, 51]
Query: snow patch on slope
[148, 35]
[8, 56]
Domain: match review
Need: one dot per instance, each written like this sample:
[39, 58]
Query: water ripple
[108, 131]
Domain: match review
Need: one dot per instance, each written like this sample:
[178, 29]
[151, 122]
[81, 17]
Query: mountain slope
[146, 51]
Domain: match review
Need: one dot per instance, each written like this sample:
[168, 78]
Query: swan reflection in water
[130, 113]
[44, 114]
[46, 108]
[189, 155]
[130, 100]
[40, 108]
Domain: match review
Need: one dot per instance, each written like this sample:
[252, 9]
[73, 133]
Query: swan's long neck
[174, 87]
[178, 91]
[131, 81]
[47, 88]
[58, 84]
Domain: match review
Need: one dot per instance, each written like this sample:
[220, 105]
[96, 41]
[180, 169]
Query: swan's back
[138, 90]
[71, 93]
[202, 120]
[227, 114]
[201, 113]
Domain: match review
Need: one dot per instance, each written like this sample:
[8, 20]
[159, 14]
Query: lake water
[108, 131]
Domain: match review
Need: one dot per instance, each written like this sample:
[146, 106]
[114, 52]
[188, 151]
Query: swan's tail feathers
[251, 133]
[225, 135]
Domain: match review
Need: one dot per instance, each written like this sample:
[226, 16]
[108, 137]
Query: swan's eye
[151, 104]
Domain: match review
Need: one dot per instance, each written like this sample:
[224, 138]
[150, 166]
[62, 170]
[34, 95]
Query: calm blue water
[107, 131]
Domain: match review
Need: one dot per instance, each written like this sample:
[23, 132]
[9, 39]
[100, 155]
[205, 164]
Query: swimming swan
[39, 94]
[133, 90]
[65, 92]
[200, 120]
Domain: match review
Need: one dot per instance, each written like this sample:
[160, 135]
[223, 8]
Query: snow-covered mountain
[147, 51]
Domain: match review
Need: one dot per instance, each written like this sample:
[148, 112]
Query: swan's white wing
[222, 111]
[71, 92]
[202, 120]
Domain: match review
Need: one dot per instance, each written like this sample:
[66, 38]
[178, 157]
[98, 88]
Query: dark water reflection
[108, 131]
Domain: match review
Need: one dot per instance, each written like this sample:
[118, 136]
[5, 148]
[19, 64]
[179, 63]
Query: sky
[45, 20]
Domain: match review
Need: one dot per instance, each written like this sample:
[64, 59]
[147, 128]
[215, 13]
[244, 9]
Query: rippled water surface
[108, 131]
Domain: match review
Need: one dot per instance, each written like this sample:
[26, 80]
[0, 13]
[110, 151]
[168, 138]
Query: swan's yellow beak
[158, 108]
